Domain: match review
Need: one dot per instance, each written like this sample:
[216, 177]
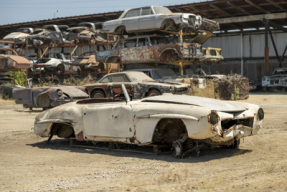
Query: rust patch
[80, 136]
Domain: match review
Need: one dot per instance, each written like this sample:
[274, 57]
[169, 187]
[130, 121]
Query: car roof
[142, 36]
[124, 72]
[124, 13]
[149, 69]
[143, 7]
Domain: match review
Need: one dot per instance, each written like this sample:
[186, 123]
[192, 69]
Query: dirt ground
[28, 163]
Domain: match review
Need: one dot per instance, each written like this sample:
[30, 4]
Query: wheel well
[113, 59]
[150, 89]
[63, 130]
[166, 21]
[169, 55]
[168, 130]
[119, 27]
[43, 100]
[97, 89]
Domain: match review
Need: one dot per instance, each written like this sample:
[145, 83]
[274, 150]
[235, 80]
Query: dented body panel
[168, 75]
[20, 36]
[210, 121]
[46, 97]
[136, 88]
[158, 49]
[86, 32]
[155, 18]
[11, 61]
[277, 80]
[51, 34]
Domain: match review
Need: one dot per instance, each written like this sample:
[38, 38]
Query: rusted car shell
[89, 62]
[189, 53]
[46, 97]
[13, 62]
[212, 122]
[85, 60]
[136, 89]
[7, 90]
[277, 80]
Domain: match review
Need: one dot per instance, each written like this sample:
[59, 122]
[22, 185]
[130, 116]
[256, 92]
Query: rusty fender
[61, 115]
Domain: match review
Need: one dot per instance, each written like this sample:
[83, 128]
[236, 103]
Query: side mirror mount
[125, 93]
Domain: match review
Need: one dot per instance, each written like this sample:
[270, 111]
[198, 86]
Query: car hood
[217, 76]
[17, 59]
[49, 61]
[202, 38]
[74, 92]
[174, 84]
[212, 104]
[15, 35]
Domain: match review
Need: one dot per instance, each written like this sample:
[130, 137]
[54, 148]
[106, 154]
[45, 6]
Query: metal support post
[242, 54]
[273, 43]
[180, 68]
[266, 50]
[26, 48]
[51, 52]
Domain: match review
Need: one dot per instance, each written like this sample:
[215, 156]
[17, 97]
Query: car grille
[191, 20]
[194, 49]
[212, 52]
[226, 124]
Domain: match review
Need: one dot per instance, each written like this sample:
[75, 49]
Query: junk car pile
[148, 35]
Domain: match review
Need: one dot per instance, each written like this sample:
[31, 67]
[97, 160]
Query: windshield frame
[161, 10]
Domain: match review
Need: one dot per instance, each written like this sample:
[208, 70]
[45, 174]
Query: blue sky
[15, 11]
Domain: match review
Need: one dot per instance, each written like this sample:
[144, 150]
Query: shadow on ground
[206, 154]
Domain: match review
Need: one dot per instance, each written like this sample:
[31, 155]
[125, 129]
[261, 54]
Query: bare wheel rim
[152, 94]
[98, 95]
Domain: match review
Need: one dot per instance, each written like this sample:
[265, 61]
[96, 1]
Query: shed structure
[253, 33]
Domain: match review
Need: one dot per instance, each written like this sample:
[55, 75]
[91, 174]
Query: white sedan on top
[154, 18]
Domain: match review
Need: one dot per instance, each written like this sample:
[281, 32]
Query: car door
[128, 51]
[147, 19]
[144, 50]
[113, 121]
[131, 20]
[112, 85]
[116, 88]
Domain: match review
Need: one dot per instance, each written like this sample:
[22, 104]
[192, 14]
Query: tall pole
[55, 13]
[266, 49]
[242, 54]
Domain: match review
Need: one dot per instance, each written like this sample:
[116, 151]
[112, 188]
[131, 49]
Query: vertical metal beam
[266, 50]
[274, 45]
[51, 52]
[282, 57]
[181, 68]
[250, 46]
[242, 54]
[26, 48]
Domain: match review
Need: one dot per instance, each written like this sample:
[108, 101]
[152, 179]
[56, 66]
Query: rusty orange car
[11, 61]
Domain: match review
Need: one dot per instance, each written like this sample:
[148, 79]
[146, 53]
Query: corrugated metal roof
[208, 9]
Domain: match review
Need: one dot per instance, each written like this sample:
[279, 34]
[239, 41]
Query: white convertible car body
[166, 119]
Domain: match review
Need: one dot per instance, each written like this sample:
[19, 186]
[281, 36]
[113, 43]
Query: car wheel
[44, 101]
[235, 145]
[60, 68]
[153, 93]
[98, 94]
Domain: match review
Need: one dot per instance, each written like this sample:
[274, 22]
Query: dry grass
[208, 91]
[70, 81]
